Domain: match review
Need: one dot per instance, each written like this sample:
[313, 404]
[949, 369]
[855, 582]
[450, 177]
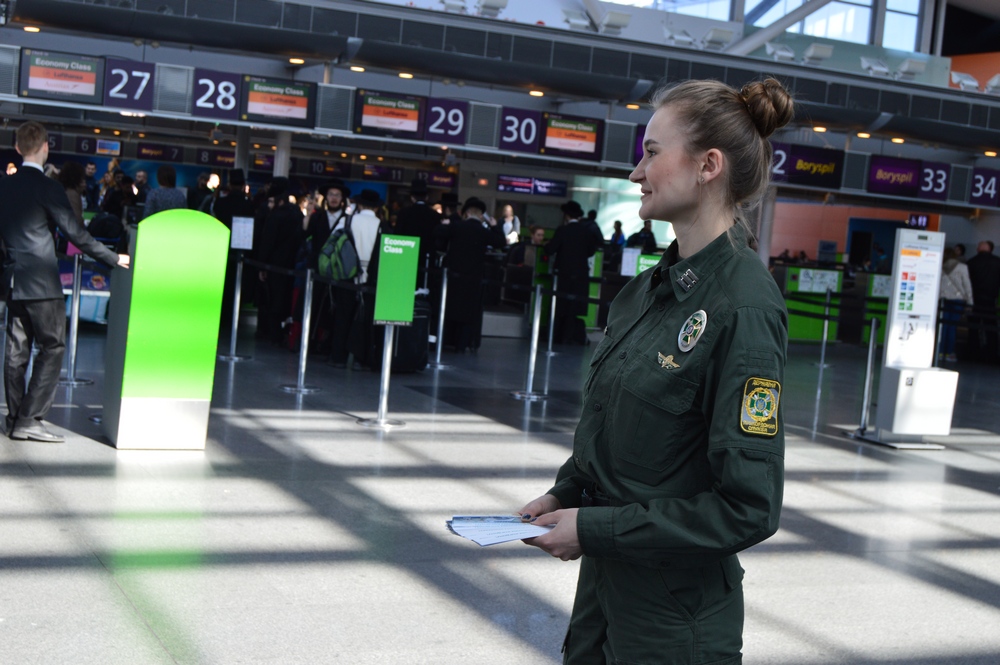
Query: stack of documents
[492, 529]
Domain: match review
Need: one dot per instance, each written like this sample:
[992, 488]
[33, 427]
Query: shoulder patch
[759, 408]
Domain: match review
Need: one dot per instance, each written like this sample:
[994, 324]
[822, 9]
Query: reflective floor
[300, 537]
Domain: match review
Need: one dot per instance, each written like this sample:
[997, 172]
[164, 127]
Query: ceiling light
[31, 28]
[232, 143]
[405, 75]
[97, 130]
[141, 135]
[381, 158]
[990, 153]
[356, 68]
[864, 135]
[326, 153]
[215, 141]
[819, 130]
[296, 61]
[117, 133]
[256, 145]
[898, 140]
[343, 155]
[632, 107]
[536, 93]
[274, 147]
[362, 157]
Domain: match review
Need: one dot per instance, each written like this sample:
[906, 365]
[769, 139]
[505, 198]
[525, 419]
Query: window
[846, 20]
[719, 10]
[902, 23]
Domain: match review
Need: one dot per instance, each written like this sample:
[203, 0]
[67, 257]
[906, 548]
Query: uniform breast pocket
[653, 416]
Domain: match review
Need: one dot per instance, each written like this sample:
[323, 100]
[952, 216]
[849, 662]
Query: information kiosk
[163, 330]
[915, 399]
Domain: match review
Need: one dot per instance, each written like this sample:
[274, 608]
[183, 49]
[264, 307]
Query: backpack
[338, 258]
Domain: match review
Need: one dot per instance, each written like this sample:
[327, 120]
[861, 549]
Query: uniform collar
[686, 275]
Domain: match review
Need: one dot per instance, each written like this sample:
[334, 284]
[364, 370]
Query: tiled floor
[300, 537]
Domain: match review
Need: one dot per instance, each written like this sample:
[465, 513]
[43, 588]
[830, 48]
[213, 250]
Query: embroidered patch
[692, 330]
[759, 411]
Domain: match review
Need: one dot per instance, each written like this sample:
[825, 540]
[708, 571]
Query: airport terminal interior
[293, 529]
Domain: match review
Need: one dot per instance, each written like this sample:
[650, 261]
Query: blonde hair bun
[769, 104]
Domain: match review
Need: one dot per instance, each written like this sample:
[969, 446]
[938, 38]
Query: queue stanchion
[826, 330]
[869, 371]
[300, 387]
[237, 292]
[536, 324]
[440, 330]
[74, 328]
[552, 315]
[381, 421]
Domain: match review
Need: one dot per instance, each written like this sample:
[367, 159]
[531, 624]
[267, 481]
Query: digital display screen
[527, 185]
[62, 76]
[110, 148]
[515, 184]
[278, 102]
[568, 136]
[386, 114]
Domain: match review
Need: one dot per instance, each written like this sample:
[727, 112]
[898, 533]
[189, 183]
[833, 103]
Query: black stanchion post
[940, 333]
[74, 327]
[536, 325]
[300, 388]
[381, 421]
[826, 330]
[440, 332]
[869, 371]
[552, 314]
[237, 292]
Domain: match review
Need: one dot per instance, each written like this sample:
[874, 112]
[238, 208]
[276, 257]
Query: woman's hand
[540, 506]
[562, 542]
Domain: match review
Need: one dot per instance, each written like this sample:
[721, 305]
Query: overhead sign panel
[894, 176]
[277, 101]
[569, 136]
[519, 130]
[984, 187]
[446, 121]
[389, 114]
[807, 166]
[216, 95]
[62, 76]
[130, 84]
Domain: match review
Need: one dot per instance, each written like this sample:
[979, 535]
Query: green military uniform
[682, 444]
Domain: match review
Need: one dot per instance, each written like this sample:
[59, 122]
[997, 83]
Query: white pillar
[283, 154]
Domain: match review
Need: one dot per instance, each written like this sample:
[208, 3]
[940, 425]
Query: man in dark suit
[36, 311]
[572, 244]
[420, 220]
[466, 242]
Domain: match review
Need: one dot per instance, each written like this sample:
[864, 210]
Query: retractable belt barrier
[72, 380]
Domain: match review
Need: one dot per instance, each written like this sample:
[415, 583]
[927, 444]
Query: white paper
[493, 529]
[242, 235]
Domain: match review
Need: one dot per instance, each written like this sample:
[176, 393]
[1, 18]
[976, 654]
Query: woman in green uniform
[677, 462]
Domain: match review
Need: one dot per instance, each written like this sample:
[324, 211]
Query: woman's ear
[713, 163]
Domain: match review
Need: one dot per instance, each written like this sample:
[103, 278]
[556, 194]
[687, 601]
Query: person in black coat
[281, 238]
[36, 313]
[420, 220]
[232, 201]
[572, 244]
[984, 273]
[465, 243]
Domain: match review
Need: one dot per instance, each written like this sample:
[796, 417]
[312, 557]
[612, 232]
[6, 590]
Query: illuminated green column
[163, 330]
